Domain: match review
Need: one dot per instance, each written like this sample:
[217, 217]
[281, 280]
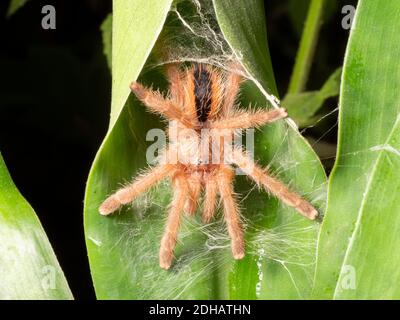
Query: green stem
[306, 50]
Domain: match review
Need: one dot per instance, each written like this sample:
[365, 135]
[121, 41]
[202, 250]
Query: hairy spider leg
[276, 187]
[231, 210]
[168, 241]
[195, 184]
[231, 90]
[175, 85]
[242, 119]
[210, 197]
[140, 185]
[217, 93]
[187, 89]
[158, 104]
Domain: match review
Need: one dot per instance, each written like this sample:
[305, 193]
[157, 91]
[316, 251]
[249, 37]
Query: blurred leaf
[28, 267]
[14, 6]
[298, 12]
[303, 106]
[360, 238]
[308, 43]
[123, 248]
[106, 31]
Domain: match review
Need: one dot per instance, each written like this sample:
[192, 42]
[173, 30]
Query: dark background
[55, 90]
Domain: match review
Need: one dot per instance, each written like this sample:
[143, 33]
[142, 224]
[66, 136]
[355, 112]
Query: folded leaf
[123, 248]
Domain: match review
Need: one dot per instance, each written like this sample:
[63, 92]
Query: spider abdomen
[202, 92]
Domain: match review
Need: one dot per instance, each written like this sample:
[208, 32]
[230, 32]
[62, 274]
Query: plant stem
[306, 50]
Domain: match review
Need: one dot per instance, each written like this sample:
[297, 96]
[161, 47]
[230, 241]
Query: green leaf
[28, 267]
[136, 26]
[303, 106]
[360, 238]
[123, 248]
[14, 6]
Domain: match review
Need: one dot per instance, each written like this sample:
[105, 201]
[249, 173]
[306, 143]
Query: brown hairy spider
[202, 98]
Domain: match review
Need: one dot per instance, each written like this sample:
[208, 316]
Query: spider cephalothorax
[201, 106]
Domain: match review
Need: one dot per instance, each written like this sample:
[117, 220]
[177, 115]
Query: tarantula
[202, 99]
